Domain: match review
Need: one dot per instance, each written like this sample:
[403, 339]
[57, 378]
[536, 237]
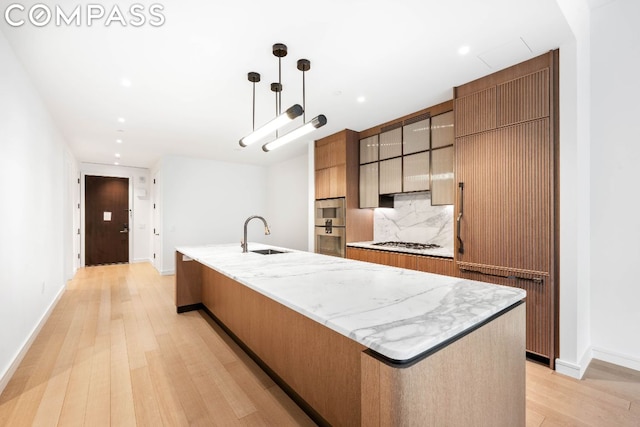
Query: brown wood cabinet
[424, 263]
[331, 165]
[336, 175]
[392, 259]
[189, 274]
[506, 181]
[340, 382]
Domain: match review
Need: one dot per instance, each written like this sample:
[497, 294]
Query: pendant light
[275, 124]
[304, 65]
[313, 124]
[281, 119]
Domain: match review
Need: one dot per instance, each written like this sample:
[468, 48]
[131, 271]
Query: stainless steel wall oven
[330, 235]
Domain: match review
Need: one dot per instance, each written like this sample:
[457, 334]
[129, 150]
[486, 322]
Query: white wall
[288, 202]
[207, 201]
[575, 228]
[139, 203]
[615, 250]
[36, 213]
[599, 295]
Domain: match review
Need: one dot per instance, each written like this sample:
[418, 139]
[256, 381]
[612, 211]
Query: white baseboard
[575, 370]
[619, 359]
[141, 260]
[569, 369]
[168, 272]
[6, 376]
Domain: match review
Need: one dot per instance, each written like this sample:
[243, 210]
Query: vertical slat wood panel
[507, 197]
[539, 309]
[467, 119]
[509, 224]
[522, 99]
[444, 266]
[324, 369]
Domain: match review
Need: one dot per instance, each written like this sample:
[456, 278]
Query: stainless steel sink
[268, 251]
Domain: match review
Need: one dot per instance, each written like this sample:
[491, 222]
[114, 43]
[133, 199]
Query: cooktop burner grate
[408, 245]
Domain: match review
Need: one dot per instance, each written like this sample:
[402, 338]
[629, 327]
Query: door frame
[83, 214]
[156, 219]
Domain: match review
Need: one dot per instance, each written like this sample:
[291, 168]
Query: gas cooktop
[408, 245]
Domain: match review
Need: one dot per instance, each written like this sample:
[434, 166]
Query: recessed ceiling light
[120, 119]
[116, 163]
[117, 155]
[361, 99]
[119, 141]
[463, 50]
[125, 82]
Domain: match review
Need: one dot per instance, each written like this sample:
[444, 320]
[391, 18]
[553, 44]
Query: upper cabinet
[390, 160]
[414, 153]
[331, 166]
[416, 143]
[369, 149]
[369, 176]
[468, 121]
[416, 135]
[442, 178]
[415, 172]
[391, 176]
[369, 193]
[442, 133]
[391, 143]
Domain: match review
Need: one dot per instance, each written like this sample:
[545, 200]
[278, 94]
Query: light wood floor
[114, 352]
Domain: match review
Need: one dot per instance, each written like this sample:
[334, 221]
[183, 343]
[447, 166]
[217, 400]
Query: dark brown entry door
[106, 220]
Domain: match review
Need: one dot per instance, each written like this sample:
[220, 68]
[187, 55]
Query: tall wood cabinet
[506, 180]
[336, 175]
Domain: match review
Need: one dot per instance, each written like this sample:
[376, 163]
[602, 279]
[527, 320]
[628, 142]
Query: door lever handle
[124, 231]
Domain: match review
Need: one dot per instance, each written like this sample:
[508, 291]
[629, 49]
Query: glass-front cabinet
[416, 136]
[442, 179]
[415, 172]
[369, 185]
[409, 156]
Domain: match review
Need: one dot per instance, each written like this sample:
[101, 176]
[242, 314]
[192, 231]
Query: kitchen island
[356, 343]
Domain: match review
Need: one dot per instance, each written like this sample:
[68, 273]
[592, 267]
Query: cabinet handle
[460, 242]
[537, 280]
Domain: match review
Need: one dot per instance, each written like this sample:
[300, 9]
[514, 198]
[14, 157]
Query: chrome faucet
[266, 230]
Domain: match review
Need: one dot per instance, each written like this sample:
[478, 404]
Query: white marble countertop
[437, 252]
[396, 312]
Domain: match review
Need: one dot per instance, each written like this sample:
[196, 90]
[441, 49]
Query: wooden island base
[476, 379]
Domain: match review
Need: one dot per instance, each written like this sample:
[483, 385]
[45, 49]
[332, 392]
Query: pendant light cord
[280, 85]
[277, 110]
[304, 102]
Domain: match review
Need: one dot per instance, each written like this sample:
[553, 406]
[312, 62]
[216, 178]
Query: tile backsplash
[413, 219]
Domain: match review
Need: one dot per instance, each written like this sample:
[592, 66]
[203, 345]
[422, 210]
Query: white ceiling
[190, 95]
